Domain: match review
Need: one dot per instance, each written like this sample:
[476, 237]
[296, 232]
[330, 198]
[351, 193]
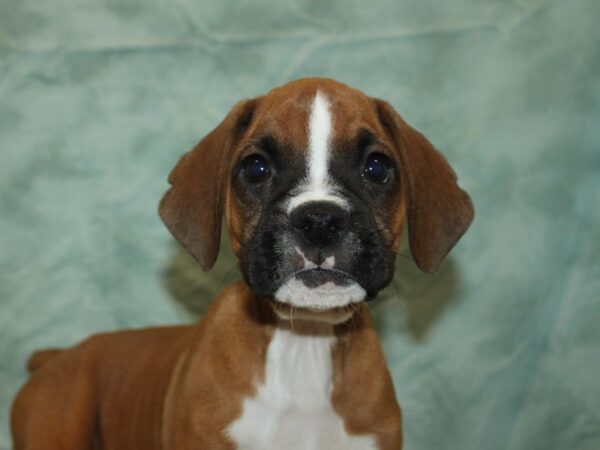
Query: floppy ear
[192, 209]
[439, 211]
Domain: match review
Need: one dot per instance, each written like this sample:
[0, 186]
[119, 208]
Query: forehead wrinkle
[285, 117]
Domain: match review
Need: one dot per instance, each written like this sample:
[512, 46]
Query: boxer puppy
[314, 182]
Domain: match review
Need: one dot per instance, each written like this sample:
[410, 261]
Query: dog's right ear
[192, 209]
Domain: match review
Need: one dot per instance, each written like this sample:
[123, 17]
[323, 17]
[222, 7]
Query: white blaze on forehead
[318, 186]
[319, 129]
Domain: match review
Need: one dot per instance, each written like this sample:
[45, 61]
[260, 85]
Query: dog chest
[292, 408]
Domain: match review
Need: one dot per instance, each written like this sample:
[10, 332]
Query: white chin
[320, 298]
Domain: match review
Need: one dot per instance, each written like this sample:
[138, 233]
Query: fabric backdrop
[498, 350]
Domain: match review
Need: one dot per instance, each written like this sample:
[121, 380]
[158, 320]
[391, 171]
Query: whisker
[368, 307]
[346, 309]
[409, 257]
[292, 317]
[356, 311]
[398, 296]
[222, 283]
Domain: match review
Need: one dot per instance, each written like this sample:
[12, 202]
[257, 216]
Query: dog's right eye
[377, 168]
[256, 168]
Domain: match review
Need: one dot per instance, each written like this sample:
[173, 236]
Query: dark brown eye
[256, 168]
[377, 168]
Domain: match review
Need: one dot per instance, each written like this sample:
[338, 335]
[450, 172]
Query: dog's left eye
[256, 168]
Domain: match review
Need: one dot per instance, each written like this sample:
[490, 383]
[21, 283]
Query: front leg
[55, 409]
[363, 392]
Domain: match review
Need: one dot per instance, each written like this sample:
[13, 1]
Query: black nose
[320, 223]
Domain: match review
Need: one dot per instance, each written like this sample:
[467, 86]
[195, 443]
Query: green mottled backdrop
[498, 350]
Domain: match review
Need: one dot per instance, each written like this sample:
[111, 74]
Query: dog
[314, 182]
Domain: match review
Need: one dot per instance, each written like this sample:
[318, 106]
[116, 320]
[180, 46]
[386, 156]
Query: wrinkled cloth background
[98, 99]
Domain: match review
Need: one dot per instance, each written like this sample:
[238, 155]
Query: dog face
[315, 181]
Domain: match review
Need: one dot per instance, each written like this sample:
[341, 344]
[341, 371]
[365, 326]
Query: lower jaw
[327, 296]
[333, 316]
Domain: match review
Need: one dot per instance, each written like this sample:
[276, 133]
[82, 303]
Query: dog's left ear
[439, 211]
[192, 209]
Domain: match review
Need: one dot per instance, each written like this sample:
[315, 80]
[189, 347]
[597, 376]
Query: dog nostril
[304, 224]
[320, 224]
[336, 223]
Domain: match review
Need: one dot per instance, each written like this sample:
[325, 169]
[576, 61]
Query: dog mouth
[319, 289]
[313, 278]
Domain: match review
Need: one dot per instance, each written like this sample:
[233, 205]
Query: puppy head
[315, 181]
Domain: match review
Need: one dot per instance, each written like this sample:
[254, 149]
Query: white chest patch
[292, 409]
